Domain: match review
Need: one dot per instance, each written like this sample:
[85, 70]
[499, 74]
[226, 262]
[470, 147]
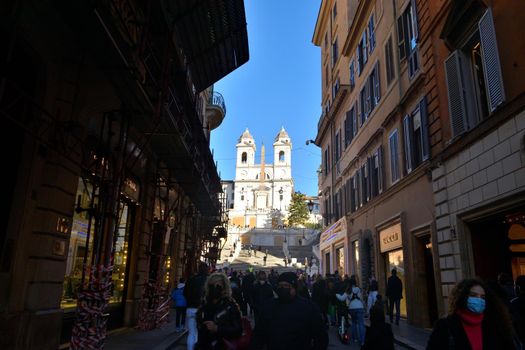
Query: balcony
[215, 110]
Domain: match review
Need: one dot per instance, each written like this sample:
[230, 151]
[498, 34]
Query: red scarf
[472, 325]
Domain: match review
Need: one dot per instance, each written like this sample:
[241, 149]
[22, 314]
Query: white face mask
[262, 281]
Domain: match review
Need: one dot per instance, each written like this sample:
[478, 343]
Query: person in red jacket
[477, 320]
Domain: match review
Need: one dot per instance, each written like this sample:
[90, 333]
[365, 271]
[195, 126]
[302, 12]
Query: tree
[298, 211]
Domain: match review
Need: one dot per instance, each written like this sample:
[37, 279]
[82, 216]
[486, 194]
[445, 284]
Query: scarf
[472, 325]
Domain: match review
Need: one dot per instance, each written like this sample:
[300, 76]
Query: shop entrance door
[425, 281]
[394, 260]
[501, 239]
[327, 264]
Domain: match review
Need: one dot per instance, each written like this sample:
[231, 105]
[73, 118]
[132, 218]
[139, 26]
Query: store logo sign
[390, 238]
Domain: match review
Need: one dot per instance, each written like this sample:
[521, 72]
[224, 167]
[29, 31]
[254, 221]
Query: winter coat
[262, 293]
[379, 336]
[394, 288]
[290, 325]
[448, 334]
[178, 296]
[227, 317]
[194, 290]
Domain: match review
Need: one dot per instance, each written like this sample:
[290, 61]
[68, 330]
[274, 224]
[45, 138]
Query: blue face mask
[476, 305]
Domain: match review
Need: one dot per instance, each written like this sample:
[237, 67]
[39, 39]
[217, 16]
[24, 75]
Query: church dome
[282, 135]
[246, 135]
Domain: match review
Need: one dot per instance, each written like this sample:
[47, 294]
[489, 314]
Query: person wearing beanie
[290, 321]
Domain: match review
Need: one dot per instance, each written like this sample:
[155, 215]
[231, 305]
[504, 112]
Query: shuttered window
[394, 159]
[415, 128]
[371, 34]
[456, 94]
[491, 62]
[474, 80]
[407, 134]
[389, 62]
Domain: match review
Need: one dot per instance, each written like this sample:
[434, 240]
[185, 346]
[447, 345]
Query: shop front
[333, 246]
[391, 247]
[82, 245]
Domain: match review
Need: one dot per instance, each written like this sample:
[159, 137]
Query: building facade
[261, 192]
[112, 191]
[478, 144]
[374, 138]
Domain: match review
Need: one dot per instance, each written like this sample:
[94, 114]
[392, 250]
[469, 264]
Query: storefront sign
[333, 233]
[390, 238]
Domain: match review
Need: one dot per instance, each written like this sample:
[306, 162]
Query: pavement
[165, 338]
[134, 339]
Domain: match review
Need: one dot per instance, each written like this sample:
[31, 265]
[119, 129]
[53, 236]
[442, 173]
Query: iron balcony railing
[216, 99]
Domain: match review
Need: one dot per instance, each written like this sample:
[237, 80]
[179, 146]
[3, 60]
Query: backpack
[354, 296]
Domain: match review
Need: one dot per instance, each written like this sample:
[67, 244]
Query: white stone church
[261, 193]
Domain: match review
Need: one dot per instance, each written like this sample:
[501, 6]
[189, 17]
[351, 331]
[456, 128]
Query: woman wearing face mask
[477, 320]
[219, 318]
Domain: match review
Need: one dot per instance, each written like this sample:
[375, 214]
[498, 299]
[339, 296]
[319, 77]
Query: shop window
[81, 248]
[340, 260]
[356, 265]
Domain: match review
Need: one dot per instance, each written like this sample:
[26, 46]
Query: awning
[212, 34]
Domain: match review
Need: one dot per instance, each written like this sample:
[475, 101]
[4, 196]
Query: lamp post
[310, 205]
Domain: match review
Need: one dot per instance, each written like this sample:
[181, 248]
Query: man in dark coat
[289, 322]
[262, 294]
[394, 292]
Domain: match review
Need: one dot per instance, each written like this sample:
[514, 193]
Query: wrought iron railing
[216, 99]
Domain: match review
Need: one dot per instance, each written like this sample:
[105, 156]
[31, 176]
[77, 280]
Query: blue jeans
[358, 324]
[191, 326]
[397, 304]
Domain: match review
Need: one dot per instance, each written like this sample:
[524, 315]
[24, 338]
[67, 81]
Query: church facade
[261, 193]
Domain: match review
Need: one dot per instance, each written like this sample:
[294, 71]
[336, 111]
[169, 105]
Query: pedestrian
[356, 309]
[379, 334]
[194, 294]
[477, 320]
[264, 260]
[236, 292]
[320, 297]
[262, 293]
[372, 293]
[394, 293]
[517, 308]
[180, 306]
[248, 282]
[289, 322]
[219, 317]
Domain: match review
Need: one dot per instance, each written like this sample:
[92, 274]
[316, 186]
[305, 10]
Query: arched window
[244, 156]
[281, 156]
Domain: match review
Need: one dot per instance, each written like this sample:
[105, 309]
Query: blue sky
[279, 86]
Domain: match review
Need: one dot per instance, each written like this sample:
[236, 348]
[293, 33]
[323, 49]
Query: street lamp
[280, 198]
[310, 206]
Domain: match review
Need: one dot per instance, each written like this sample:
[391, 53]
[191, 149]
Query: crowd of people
[292, 310]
